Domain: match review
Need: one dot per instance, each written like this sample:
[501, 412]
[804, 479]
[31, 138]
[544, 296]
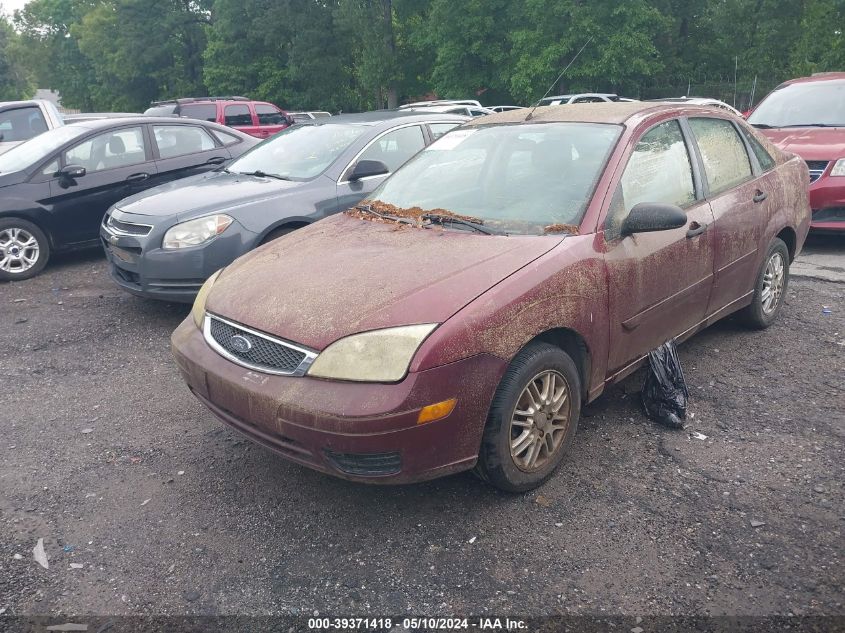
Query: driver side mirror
[365, 168]
[72, 172]
[646, 217]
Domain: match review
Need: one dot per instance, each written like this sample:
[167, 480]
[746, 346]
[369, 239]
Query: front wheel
[532, 420]
[24, 249]
[770, 289]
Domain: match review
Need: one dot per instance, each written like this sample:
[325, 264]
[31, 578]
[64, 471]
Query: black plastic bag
[665, 390]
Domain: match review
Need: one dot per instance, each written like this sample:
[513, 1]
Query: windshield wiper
[812, 125]
[442, 220]
[261, 174]
[762, 126]
[366, 208]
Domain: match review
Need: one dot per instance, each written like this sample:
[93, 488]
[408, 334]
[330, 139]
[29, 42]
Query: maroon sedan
[461, 315]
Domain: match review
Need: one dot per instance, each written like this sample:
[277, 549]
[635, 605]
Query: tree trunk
[390, 46]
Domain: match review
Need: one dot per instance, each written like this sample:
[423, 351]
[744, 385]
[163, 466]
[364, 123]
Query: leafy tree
[821, 44]
[15, 79]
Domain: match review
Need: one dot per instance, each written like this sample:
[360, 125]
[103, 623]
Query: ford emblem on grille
[240, 344]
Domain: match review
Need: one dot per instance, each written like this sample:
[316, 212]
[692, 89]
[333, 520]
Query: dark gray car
[165, 242]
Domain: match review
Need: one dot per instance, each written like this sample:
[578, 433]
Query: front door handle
[759, 196]
[216, 160]
[695, 229]
[137, 177]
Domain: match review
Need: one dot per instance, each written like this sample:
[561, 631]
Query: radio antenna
[559, 77]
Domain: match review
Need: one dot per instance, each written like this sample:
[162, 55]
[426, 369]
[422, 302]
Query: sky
[9, 6]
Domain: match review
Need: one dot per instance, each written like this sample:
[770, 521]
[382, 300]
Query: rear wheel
[532, 420]
[770, 290]
[24, 249]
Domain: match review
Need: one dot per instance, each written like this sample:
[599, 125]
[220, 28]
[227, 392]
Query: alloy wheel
[19, 250]
[773, 279]
[540, 420]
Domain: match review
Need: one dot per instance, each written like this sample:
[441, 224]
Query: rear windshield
[817, 103]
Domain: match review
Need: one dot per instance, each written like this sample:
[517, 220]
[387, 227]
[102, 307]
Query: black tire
[756, 315]
[277, 233]
[496, 463]
[13, 232]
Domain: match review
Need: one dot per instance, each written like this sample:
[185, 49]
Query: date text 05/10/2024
[422, 623]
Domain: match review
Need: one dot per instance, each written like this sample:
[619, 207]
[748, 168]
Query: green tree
[16, 81]
[821, 44]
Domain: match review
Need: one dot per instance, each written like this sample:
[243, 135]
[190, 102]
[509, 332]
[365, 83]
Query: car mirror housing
[365, 168]
[646, 217]
[72, 171]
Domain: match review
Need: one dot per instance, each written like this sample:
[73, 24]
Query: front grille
[366, 464]
[127, 228]
[256, 350]
[816, 168]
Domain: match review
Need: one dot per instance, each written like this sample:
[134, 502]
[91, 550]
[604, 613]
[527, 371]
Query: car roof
[815, 77]
[19, 104]
[383, 116]
[616, 112]
[580, 94]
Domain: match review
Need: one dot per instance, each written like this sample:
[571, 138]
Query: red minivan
[256, 118]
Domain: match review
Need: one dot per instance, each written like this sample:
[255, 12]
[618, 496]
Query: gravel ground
[109, 459]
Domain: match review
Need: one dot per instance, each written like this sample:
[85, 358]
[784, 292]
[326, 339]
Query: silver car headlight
[196, 232]
[838, 168]
[376, 356]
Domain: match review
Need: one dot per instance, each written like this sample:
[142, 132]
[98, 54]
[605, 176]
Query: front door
[658, 283]
[118, 163]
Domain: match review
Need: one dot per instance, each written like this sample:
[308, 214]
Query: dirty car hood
[343, 275]
[810, 143]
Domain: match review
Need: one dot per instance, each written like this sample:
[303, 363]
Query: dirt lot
[108, 458]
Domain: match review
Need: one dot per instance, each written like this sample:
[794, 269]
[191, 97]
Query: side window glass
[439, 129]
[763, 157]
[119, 148]
[659, 169]
[396, 147]
[269, 115]
[178, 140]
[725, 160]
[50, 168]
[201, 111]
[225, 137]
[238, 115]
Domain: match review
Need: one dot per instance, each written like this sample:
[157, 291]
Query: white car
[584, 97]
[22, 120]
[299, 117]
[466, 107]
[705, 101]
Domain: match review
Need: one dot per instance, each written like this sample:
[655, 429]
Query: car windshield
[301, 152]
[34, 150]
[820, 103]
[520, 179]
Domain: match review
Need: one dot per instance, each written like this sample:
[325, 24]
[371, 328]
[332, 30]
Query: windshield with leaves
[520, 179]
[300, 152]
[817, 103]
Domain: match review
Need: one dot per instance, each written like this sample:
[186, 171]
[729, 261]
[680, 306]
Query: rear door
[270, 119]
[184, 150]
[393, 148]
[118, 163]
[658, 283]
[240, 117]
[740, 202]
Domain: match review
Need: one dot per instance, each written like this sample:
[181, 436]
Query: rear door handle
[695, 229]
[759, 196]
[137, 177]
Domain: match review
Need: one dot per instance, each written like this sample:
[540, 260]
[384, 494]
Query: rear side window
[725, 160]
[396, 147]
[659, 169]
[238, 115]
[178, 140]
[439, 129]
[225, 137]
[269, 115]
[763, 157]
[21, 124]
[201, 111]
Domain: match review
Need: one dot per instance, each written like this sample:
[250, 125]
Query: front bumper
[827, 199]
[358, 431]
[140, 266]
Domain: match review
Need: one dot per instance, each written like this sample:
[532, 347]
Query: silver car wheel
[773, 279]
[19, 250]
[540, 421]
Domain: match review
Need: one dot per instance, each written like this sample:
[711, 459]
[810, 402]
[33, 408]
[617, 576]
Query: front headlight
[838, 168]
[198, 311]
[195, 232]
[377, 356]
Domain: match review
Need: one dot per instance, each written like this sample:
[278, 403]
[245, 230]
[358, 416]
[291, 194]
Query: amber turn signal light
[436, 411]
